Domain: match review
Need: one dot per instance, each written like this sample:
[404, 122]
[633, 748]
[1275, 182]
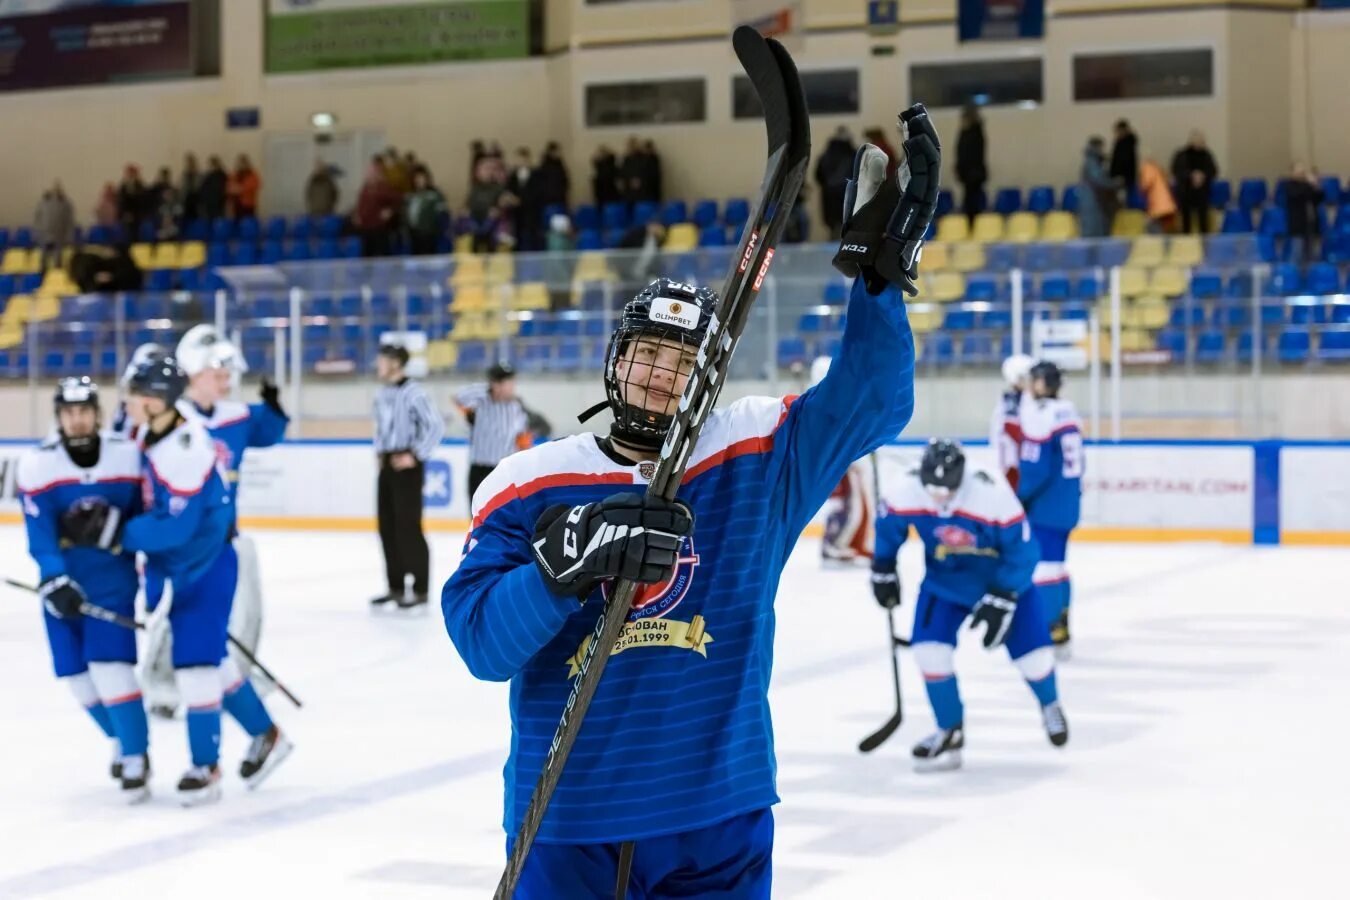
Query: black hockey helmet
[667, 310]
[500, 372]
[1051, 374]
[158, 376]
[75, 391]
[943, 465]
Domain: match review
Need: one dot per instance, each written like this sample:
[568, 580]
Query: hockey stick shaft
[878, 737]
[775, 80]
[106, 615]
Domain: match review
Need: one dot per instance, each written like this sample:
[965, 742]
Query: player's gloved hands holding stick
[885, 219]
[92, 522]
[995, 611]
[886, 588]
[62, 596]
[623, 536]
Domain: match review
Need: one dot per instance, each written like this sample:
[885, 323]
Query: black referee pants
[399, 507]
[476, 475]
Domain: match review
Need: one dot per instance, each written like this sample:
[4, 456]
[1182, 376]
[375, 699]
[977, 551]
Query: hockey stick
[775, 80]
[879, 737]
[107, 615]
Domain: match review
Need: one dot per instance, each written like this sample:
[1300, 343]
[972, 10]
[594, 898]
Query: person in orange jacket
[243, 188]
[1158, 199]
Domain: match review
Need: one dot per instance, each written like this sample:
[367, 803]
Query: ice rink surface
[1206, 701]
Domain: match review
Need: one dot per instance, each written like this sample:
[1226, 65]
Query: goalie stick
[106, 615]
[774, 77]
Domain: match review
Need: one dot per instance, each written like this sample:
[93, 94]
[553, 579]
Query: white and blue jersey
[678, 737]
[1050, 480]
[235, 427]
[50, 483]
[978, 542]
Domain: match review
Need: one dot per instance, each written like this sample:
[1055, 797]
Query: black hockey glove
[271, 395]
[623, 536]
[995, 610]
[62, 597]
[885, 219]
[886, 588]
[92, 522]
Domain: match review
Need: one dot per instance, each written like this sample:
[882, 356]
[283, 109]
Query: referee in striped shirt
[407, 431]
[499, 424]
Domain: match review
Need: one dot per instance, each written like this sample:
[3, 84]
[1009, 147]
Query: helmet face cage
[72, 391]
[662, 326]
[159, 377]
[943, 466]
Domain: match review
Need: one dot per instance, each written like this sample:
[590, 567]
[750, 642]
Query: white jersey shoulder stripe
[184, 459]
[1042, 419]
[48, 465]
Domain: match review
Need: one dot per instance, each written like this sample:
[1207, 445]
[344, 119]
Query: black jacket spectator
[632, 173]
[1302, 194]
[1125, 156]
[605, 178]
[971, 169]
[554, 185]
[833, 170]
[1194, 170]
[213, 190]
[190, 188]
[321, 191]
[651, 174]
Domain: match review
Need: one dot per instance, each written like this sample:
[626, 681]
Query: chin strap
[593, 411]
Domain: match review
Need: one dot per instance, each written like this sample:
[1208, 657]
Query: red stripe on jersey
[177, 492]
[125, 698]
[959, 514]
[566, 479]
[1072, 426]
[741, 448]
[213, 425]
[120, 479]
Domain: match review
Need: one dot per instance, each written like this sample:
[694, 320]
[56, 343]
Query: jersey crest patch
[954, 536]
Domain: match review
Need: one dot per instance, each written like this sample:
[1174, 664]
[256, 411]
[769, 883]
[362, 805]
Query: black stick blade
[877, 738]
[761, 64]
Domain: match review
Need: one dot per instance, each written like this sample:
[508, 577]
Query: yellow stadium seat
[191, 255]
[681, 237]
[166, 255]
[1059, 226]
[1169, 281]
[45, 308]
[924, 317]
[18, 261]
[144, 255]
[1128, 223]
[1150, 311]
[1135, 339]
[532, 295]
[1104, 311]
[18, 310]
[988, 227]
[1146, 251]
[441, 354]
[10, 337]
[935, 257]
[592, 266]
[469, 269]
[501, 267]
[469, 297]
[968, 257]
[1023, 228]
[463, 245]
[951, 228]
[57, 283]
[947, 286]
[1133, 281]
[500, 297]
[1185, 250]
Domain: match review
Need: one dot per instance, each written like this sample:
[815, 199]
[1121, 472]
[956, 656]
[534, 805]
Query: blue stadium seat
[1000, 257]
[271, 252]
[998, 319]
[595, 326]
[588, 240]
[1252, 193]
[349, 248]
[1069, 201]
[553, 209]
[1075, 255]
[321, 305]
[712, 236]
[146, 233]
[737, 211]
[244, 253]
[1220, 193]
[1007, 201]
[977, 348]
[644, 212]
[159, 280]
[276, 228]
[945, 203]
[217, 254]
[612, 237]
[196, 230]
[567, 357]
[1112, 253]
[614, 216]
[1334, 346]
[54, 363]
[675, 212]
[296, 251]
[1087, 288]
[1055, 286]
[981, 287]
[1294, 345]
[586, 218]
[1232, 315]
[1239, 285]
[330, 226]
[937, 349]
[1236, 221]
[1331, 190]
[29, 283]
[567, 324]
[958, 320]
[1281, 191]
[107, 362]
[1308, 314]
[1323, 278]
[222, 230]
[1273, 313]
[1041, 199]
[4, 238]
[1340, 313]
[813, 323]
[1286, 280]
[249, 229]
[534, 356]
[1074, 313]
[302, 228]
[1206, 284]
[1039, 257]
[1274, 221]
[835, 293]
[472, 357]
[1136, 199]
[705, 213]
[791, 350]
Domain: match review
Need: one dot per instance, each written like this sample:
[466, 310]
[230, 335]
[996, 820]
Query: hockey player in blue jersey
[184, 534]
[1050, 489]
[978, 558]
[77, 480]
[676, 752]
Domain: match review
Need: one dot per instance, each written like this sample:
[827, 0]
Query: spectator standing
[651, 173]
[408, 430]
[1158, 200]
[1194, 170]
[523, 184]
[397, 173]
[375, 210]
[485, 205]
[605, 177]
[833, 170]
[168, 213]
[1302, 194]
[54, 224]
[877, 138]
[477, 151]
[498, 422]
[423, 209]
[244, 186]
[321, 191]
[1125, 157]
[214, 190]
[971, 170]
[163, 184]
[190, 187]
[1096, 192]
[632, 171]
[131, 201]
[554, 184]
[105, 212]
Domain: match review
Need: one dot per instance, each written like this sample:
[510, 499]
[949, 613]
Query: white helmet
[138, 356]
[204, 348]
[819, 367]
[1017, 369]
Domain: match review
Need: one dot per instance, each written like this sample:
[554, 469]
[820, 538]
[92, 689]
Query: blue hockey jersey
[49, 483]
[678, 736]
[188, 510]
[979, 541]
[236, 426]
[1051, 479]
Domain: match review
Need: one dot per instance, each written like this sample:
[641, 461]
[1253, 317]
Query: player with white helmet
[1005, 431]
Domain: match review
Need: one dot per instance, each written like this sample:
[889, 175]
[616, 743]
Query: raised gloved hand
[630, 536]
[995, 611]
[886, 588]
[92, 522]
[885, 219]
[62, 596]
[271, 395]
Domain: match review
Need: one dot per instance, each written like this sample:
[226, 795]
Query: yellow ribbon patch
[652, 633]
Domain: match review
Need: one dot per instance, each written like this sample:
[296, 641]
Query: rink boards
[1266, 492]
